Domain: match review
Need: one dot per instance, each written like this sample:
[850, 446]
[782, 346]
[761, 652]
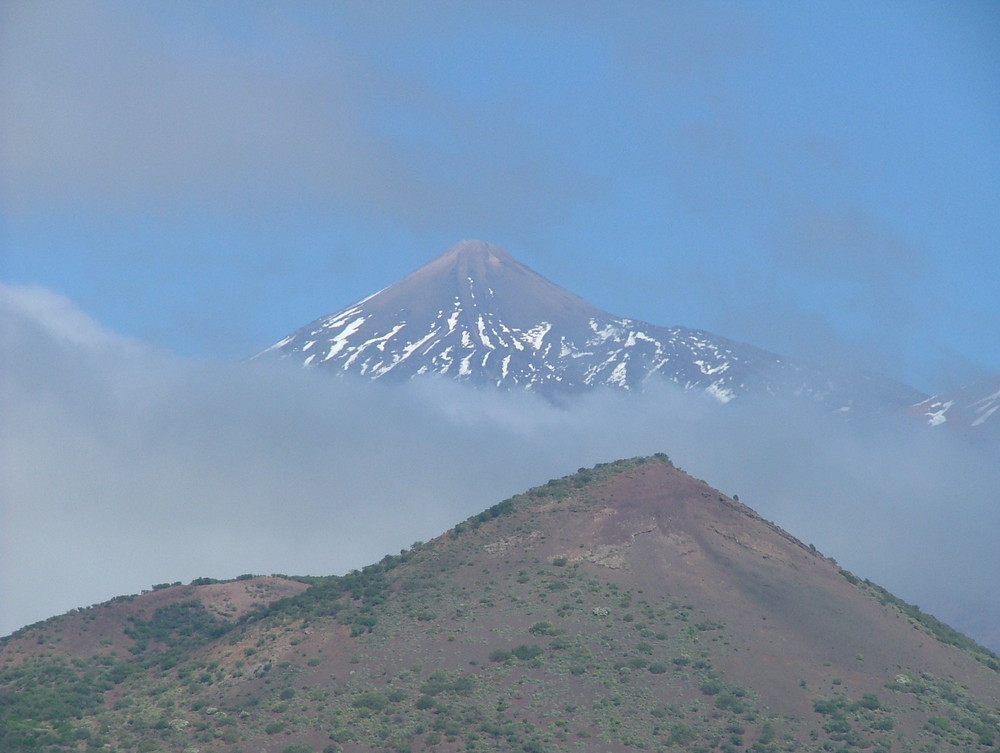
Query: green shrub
[938, 725]
[830, 706]
[681, 734]
[370, 699]
[869, 701]
[837, 726]
[711, 687]
[524, 652]
[463, 686]
[500, 655]
[425, 702]
[729, 701]
[767, 734]
[436, 683]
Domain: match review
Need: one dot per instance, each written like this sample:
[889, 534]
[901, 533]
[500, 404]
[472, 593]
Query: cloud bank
[122, 466]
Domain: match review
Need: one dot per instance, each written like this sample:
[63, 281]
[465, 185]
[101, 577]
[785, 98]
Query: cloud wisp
[123, 467]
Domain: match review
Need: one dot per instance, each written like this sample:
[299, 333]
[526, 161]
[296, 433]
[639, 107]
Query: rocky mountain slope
[478, 315]
[626, 607]
[972, 409]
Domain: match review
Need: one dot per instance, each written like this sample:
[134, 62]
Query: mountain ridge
[476, 314]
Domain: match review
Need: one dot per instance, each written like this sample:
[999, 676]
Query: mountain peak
[472, 264]
[470, 256]
[477, 314]
[476, 249]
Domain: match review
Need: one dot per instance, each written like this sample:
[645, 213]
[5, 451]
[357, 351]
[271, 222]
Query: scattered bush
[870, 701]
[681, 734]
[711, 687]
[370, 699]
[830, 706]
[938, 725]
[729, 701]
[524, 652]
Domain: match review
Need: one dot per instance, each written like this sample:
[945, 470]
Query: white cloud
[123, 467]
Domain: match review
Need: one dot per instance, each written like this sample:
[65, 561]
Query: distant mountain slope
[973, 409]
[627, 607]
[477, 315]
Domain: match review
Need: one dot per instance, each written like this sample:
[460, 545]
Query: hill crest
[662, 611]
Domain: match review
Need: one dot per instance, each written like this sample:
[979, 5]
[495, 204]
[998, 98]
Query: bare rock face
[477, 315]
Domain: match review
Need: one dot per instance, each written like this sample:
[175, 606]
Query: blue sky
[819, 179]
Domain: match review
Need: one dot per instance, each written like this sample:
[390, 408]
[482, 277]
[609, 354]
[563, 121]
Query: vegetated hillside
[628, 606]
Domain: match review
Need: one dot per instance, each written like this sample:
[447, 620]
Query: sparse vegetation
[941, 631]
[487, 639]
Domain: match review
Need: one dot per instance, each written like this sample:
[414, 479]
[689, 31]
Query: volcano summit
[477, 315]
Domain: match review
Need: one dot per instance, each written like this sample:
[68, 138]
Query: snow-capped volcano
[970, 408]
[476, 314]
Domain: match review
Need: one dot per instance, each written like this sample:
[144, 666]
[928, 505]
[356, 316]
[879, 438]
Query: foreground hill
[625, 607]
[477, 315]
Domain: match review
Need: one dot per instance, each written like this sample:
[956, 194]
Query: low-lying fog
[123, 467]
